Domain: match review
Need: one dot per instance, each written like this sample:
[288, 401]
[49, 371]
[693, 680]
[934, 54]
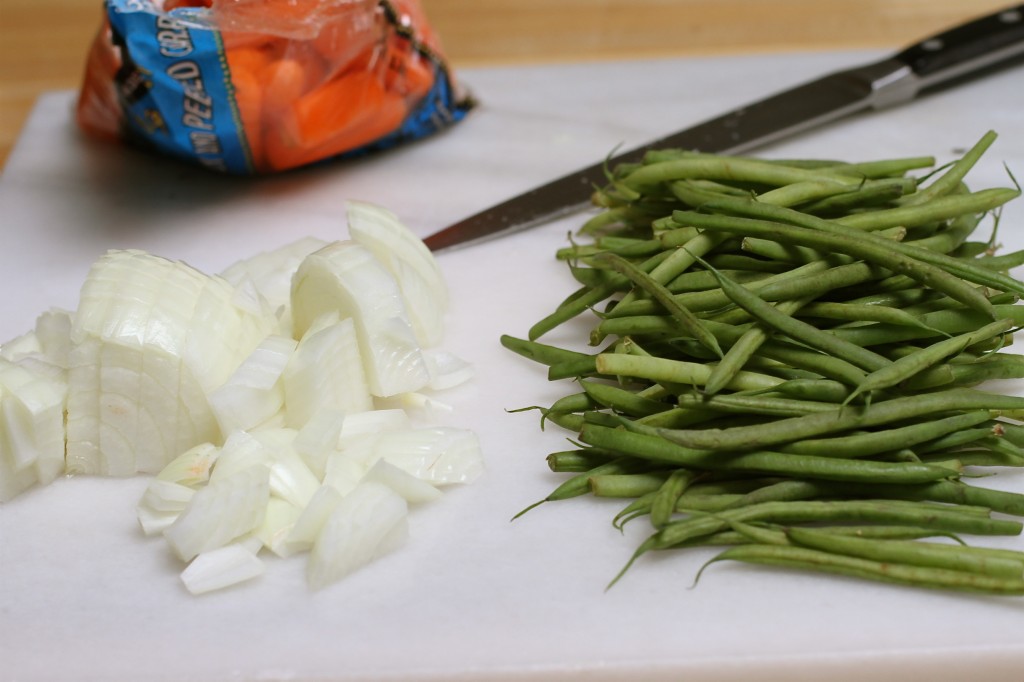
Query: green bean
[584, 365]
[1005, 262]
[955, 175]
[867, 197]
[694, 194]
[917, 576]
[902, 298]
[849, 417]
[924, 515]
[965, 497]
[629, 247]
[699, 301]
[972, 250]
[539, 352]
[814, 390]
[873, 443]
[920, 264]
[783, 323]
[593, 278]
[792, 352]
[564, 313]
[570, 421]
[952, 237]
[667, 496]
[848, 228]
[754, 404]
[621, 400]
[986, 452]
[808, 190]
[575, 402]
[780, 491]
[626, 485]
[730, 169]
[611, 217]
[784, 253]
[702, 280]
[746, 263]
[910, 365]
[580, 483]
[675, 371]
[743, 349]
[646, 446]
[884, 168]
[944, 321]
[576, 461]
[658, 292]
[861, 313]
[888, 257]
[939, 208]
[956, 439]
[680, 260]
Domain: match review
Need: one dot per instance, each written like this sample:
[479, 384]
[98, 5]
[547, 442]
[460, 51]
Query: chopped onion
[151, 338]
[368, 522]
[277, 525]
[220, 568]
[409, 262]
[312, 519]
[381, 231]
[418, 404]
[271, 271]
[345, 469]
[192, 467]
[161, 505]
[273, 402]
[221, 512]
[240, 451]
[31, 426]
[290, 478]
[346, 278]
[254, 392]
[447, 370]
[326, 372]
[318, 438]
[440, 455]
[414, 490]
[371, 423]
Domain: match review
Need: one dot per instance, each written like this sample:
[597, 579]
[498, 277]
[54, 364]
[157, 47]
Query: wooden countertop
[43, 42]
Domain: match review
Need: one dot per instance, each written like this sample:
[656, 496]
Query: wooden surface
[43, 42]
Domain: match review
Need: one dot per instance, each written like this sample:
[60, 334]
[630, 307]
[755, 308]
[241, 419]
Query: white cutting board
[83, 596]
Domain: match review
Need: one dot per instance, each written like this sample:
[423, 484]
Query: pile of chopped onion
[282, 405]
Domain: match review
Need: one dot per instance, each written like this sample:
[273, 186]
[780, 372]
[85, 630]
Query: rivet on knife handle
[965, 51]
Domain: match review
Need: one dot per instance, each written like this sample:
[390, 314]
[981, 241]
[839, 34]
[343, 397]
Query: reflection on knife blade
[966, 51]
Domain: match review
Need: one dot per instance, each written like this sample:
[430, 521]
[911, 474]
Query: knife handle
[967, 48]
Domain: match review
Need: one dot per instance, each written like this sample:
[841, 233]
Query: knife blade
[957, 54]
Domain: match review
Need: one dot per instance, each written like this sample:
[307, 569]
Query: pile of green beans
[785, 362]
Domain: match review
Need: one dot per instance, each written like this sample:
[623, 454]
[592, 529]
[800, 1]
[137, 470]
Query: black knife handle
[968, 48]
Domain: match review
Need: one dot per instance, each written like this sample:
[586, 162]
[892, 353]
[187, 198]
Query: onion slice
[367, 523]
[220, 568]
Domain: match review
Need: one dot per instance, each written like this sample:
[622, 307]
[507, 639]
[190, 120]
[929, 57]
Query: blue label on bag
[174, 87]
[177, 96]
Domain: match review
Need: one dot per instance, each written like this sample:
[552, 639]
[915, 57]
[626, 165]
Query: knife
[963, 52]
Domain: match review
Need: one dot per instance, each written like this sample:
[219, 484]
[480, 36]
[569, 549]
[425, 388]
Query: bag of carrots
[260, 86]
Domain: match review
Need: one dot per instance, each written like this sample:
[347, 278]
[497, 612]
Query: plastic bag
[260, 86]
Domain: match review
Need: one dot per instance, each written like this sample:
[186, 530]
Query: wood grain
[43, 42]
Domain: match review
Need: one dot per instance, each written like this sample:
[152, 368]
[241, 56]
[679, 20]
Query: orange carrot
[249, 58]
[287, 79]
[340, 116]
[249, 98]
